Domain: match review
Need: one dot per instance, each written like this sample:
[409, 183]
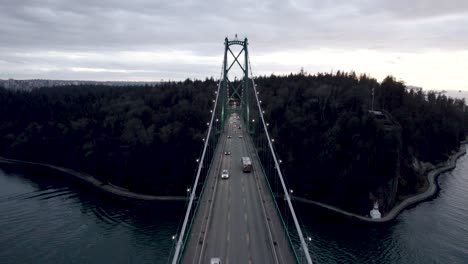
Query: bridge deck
[237, 220]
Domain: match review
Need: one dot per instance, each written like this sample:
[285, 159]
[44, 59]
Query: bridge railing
[203, 169]
[271, 166]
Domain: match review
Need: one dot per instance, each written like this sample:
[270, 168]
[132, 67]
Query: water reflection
[46, 219]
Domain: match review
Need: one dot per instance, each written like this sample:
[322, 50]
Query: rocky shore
[450, 164]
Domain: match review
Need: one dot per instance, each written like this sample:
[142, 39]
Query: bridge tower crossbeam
[235, 91]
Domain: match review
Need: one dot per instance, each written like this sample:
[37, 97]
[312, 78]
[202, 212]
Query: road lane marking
[242, 180]
[229, 215]
[247, 237]
[243, 190]
[228, 235]
[245, 217]
[250, 261]
[243, 200]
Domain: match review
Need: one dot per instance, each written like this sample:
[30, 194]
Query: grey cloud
[106, 26]
[118, 24]
[417, 9]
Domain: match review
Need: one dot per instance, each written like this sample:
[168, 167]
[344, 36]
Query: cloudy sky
[423, 42]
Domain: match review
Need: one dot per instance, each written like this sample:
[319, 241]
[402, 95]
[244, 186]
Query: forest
[144, 139]
[335, 150]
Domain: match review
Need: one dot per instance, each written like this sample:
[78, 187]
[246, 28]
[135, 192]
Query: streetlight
[217, 119]
[272, 140]
[197, 160]
[253, 120]
[173, 237]
[291, 191]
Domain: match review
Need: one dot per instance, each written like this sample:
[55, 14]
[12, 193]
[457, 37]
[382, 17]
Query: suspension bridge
[239, 219]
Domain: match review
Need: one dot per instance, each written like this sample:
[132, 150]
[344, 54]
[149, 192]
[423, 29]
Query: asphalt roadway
[236, 220]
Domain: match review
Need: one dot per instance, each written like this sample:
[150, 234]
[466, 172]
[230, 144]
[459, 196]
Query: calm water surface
[47, 220]
[44, 219]
[435, 231]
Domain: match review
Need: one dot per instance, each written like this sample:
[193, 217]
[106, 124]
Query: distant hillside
[39, 83]
[457, 94]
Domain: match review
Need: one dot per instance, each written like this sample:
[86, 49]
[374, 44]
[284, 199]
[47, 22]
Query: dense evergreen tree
[334, 150]
[141, 138]
[338, 152]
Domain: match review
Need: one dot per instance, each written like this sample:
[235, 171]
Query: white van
[215, 261]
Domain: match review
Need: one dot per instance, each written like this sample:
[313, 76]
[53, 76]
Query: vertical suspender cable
[195, 184]
[285, 190]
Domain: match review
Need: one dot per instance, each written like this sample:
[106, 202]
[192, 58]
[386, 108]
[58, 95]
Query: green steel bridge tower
[234, 93]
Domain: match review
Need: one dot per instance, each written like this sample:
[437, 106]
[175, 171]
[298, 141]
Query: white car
[215, 261]
[240, 136]
[225, 174]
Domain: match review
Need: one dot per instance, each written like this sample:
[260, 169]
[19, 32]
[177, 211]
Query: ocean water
[45, 219]
[48, 220]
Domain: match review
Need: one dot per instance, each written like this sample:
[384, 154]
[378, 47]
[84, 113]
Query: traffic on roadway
[234, 222]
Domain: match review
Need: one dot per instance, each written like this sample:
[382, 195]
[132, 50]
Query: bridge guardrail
[183, 236]
[280, 175]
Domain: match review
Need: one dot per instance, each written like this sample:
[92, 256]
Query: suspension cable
[195, 184]
[280, 175]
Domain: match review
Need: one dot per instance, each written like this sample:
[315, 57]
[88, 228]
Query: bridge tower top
[235, 91]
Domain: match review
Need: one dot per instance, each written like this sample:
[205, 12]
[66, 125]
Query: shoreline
[431, 177]
[93, 182]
